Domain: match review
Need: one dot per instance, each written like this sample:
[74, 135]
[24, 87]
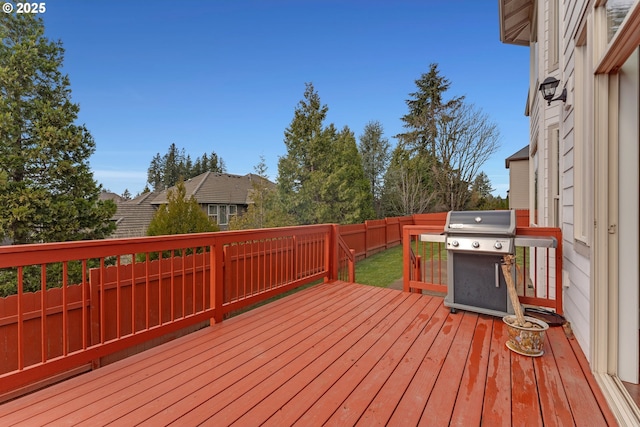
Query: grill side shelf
[436, 238]
[536, 241]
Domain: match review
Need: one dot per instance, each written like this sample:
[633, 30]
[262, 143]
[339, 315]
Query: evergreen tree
[263, 211]
[452, 139]
[180, 215]
[374, 150]
[346, 189]
[48, 191]
[321, 178]
[300, 171]
[426, 105]
[165, 171]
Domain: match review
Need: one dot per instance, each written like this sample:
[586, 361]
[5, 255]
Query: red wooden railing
[105, 297]
[374, 236]
[539, 270]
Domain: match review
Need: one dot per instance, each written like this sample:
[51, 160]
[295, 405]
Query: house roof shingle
[221, 188]
[133, 216]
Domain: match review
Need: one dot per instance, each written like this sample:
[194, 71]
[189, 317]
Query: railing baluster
[133, 294]
[160, 280]
[147, 290]
[118, 298]
[102, 314]
[65, 310]
[43, 312]
[172, 285]
[20, 319]
[85, 313]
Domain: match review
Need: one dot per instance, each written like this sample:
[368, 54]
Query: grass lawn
[381, 269]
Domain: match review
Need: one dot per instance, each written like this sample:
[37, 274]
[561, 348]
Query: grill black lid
[481, 222]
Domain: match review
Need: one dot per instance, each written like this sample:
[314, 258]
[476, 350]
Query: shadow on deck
[334, 354]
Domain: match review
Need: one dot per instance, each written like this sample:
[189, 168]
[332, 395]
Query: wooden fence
[374, 236]
[129, 294]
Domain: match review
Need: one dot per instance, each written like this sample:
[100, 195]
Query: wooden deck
[334, 354]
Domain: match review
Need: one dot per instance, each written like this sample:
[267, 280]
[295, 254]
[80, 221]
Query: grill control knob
[454, 243]
[498, 245]
[476, 245]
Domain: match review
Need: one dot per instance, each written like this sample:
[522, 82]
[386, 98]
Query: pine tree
[300, 171]
[321, 178]
[180, 215]
[451, 138]
[263, 211]
[374, 150]
[346, 189]
[48, 191]
[165, 171]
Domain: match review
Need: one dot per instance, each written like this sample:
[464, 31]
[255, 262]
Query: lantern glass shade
[548, 88]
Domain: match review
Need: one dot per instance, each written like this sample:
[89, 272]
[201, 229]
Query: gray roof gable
[522, 154]
[217, 188]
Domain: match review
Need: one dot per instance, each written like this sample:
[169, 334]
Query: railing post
[332, 253]
[406, 258]
[366, 240]
[418, 272]
[216, 282]
[352, 267]
[559, 273]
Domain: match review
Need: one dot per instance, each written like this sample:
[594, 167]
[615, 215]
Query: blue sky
[226, 76]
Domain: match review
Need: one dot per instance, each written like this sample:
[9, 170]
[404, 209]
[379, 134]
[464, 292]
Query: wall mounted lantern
[548, 89]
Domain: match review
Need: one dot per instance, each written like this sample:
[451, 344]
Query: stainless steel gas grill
[476, 241]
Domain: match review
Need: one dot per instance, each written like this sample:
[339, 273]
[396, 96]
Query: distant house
[107, 195]
[222, 196]
[133, 216]
[518, 165]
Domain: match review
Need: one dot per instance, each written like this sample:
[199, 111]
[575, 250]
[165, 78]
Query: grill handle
[497, 275]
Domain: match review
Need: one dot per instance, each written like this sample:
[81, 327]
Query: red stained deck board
[525, 406]
[339, 354]
[338, 362]
[112, 375]
[224, 384]
[443, 396]
[358, 369]
[468, 405]
[361, 398]
[383, 405]
[577, 387]
[553, 399]
[496, 408]
[285, 383]
[282, 366]
[417, 395]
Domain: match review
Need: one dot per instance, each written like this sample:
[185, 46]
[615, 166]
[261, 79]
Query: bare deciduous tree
[465, 140]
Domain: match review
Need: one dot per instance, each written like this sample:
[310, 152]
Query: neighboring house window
[222, 214]
[583, 140]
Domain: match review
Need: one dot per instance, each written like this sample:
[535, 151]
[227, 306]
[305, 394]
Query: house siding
[519, 184]
[577, 295]
[543, 118]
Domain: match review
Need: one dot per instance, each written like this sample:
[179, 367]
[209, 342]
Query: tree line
[48, 191]
[326, 176]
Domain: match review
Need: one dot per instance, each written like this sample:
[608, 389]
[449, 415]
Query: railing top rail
[38, 253]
